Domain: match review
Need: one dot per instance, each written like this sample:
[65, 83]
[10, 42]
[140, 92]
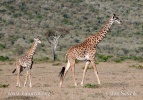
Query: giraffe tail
[61, 74]
[21, 69]
[14, 70]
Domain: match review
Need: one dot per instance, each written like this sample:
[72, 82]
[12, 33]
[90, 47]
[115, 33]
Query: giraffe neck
[96, 38]
[31, 51]
[101, 33]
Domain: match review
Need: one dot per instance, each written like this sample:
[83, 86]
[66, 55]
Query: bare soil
[118, 82]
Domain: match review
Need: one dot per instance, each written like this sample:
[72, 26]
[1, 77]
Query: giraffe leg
[18, 76]
[27, 74]
[65, 72]
[30, 84]
[95, 71]
[73, 72]
[84, 72]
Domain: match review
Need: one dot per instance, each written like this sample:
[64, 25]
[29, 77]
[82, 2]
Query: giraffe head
[116, 19]
[38, 39]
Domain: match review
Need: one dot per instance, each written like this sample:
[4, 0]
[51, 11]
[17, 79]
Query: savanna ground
[119, 81]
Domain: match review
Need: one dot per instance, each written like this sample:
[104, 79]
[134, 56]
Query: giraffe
[86, 51]
[26, 61]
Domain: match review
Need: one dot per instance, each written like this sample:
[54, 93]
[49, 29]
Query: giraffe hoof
[81, 84]
[17, 85]
[99, 83]
[60, 86]
[30, 86]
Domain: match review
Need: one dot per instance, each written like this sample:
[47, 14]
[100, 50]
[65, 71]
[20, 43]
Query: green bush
[103, 57]
[75, 1]
[123, 58]
[22, 6]
[120, 59]
[67, 21]
[2, 46]
[38, 17]
[45, 59]
[140, 59]
[2, 58]
[77, 40]
[11, 8]
[16, 15]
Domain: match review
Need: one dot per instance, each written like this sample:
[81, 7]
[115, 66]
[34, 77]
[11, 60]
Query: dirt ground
[118, 82]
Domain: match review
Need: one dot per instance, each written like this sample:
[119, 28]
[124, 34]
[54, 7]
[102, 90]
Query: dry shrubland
[23, 20]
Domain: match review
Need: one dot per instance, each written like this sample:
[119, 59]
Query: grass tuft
[137, 66]
[91, 86]
[4, 85]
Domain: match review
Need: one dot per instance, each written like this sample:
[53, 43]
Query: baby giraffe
[26, 61]
[86, 51]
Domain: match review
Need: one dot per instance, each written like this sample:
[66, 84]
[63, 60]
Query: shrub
[123, 58]
[136, 58]
[65, 16]
[11, 8]
[75, 1]
[2, 58]
[22, 6]
[42, 45]
[17, 15]
[38, 17]
[77, 40]
[95, 27]
[67, 21]
[103, 57]
[31, 40]
[120, 59]
[2, 46]
[45, 59]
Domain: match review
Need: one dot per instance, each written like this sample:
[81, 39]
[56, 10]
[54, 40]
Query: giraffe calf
[26, 61]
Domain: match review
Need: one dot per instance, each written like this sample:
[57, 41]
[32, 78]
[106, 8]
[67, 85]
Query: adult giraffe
[86, 51]
[26, 61]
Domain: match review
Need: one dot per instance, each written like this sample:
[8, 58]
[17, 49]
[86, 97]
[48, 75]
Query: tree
[53, 36]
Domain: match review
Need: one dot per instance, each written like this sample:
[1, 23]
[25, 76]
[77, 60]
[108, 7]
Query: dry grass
[118, 82]
[137, 66]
